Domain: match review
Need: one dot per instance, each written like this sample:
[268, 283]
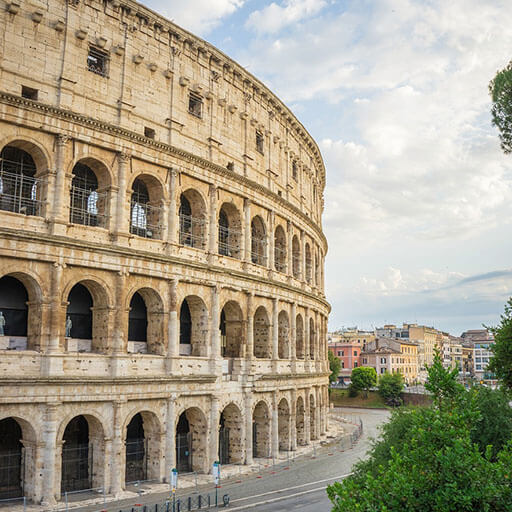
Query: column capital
[123, 156]
[62, 139]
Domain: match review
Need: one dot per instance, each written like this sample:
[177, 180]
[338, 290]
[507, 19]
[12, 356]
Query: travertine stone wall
[166, 178]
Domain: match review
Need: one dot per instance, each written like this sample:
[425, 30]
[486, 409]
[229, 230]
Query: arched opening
[258, 241]
[317, 270]
[261, 430]
[231, 331]
[283, 421]
[283, 335]
[300, 415]
[20, 190]
[312, 419]
[88, 203]
[230, 436]
[145, 209]
[280, 249]
[11, 459]
[308, 263]
[312, 339]
[296, 257]
[13, 314]
[193, 327]
[261, 333]
[79, 320]
[229, 231]
[77, 456]
[146, 323]
[191, 441]
[143, 448]
[192, 219]
[299, 336]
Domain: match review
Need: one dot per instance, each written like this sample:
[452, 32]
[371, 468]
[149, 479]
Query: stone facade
[161, 255]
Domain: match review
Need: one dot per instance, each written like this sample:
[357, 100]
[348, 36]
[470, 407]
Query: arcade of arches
[84, 451]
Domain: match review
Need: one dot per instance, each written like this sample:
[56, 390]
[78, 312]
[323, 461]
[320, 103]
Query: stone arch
[296, 257]
[258, 241]
[146, 212]
[82, 458]
[93, 330]
[299, 336]
[300, 421]
[231, 329]
[193, 216]
[22, 190]
[280, 249]
[193, 327]
[261, 333]
[283, 421]
[88, 194]
[283, 335]
[261, 431]
[308, 263]
[312, 417]
[42, 158]
[230, 231]
[192, 441]
[23, 319]
[146, 322]
[312, 339]
[231, 449]
[18, 445]
[143, 439]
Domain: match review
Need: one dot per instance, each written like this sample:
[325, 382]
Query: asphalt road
[289, 486]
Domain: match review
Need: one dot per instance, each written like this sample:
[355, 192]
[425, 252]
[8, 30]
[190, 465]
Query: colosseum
[162, 258]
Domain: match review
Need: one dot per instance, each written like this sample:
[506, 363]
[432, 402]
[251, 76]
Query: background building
[480, 340]
[162, 255]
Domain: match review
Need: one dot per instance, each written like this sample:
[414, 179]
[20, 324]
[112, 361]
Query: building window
[97, 61]
[29, 93]
[294, 170]
[365, 360]
[195, 105]
[343, 364]
[355, 353]
[383, 370]
[339, 353]
[149, 133]
[259, 142]
[355, 364]
[382, 360]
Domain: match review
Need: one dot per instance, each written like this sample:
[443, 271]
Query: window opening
[97, 61]
[191, 228]
[29, 93]
[259, 142]
[85, 200]
[149, 132]
[294, 170]
[195, 105]
[144, 217]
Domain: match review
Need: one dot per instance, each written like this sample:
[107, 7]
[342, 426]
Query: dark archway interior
[79, 311]
[223, 233]
[136, 460]
[11, 461]
[183, 448]
[223, 440]
[13, 305]
[185, 324]
[138, 319]
[139, 208]
[84, 196]
[76, 456]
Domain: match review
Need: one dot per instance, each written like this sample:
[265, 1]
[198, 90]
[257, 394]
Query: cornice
[117, 131]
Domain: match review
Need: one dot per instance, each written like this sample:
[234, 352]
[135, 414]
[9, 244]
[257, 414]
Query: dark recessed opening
[29, 93]
[149, 132]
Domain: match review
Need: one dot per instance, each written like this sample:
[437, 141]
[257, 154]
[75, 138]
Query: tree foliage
[500, 89]
[451, 456]
[363, 378]
[334, 366]
[390, 387]
[501, 361]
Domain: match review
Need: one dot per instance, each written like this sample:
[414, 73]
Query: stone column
[307, 430]
[289, 251]
[247, 212]
[214, 432]
[49, 489]
[293, 332]
[248, 428]
[170, 437]
[122, 220]
[275, 427]
[306, 334]
[271, 242]
[118, 451]
[215, 357]
[213, 231]
[173, 209]
[275, 330]
[318, 407]
[59, 194]
[120, 333]
[250, 326]
[56, 321]
[303, 255]
[293, 420]
[173, 348]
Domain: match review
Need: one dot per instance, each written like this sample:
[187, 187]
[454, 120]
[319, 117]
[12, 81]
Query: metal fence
[7, 504]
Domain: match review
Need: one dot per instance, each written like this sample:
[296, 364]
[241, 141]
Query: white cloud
[275, 17]
[197, 16]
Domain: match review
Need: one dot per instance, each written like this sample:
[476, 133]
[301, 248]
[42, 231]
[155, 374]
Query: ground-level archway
[191, 441]
[230, 436]
[261, 333]
[11, 459]
[261, 430]
[283, 411]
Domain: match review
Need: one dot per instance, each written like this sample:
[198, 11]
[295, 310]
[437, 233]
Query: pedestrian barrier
[7, 503]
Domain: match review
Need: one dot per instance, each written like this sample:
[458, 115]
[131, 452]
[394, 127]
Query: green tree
[501, 361]
[334, 366]
[363, 378]
[500, 89]
[442, 383]
[390, 387]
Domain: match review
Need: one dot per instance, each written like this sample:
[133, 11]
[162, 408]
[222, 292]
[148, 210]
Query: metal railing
[87, 207]
[229, 242]
[10, 502]
[192, 231]
[280, 258]
[296, 260]
[259, 251]
[20, 193]
[145, 220]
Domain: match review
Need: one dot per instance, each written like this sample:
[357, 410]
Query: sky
[395, 92]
